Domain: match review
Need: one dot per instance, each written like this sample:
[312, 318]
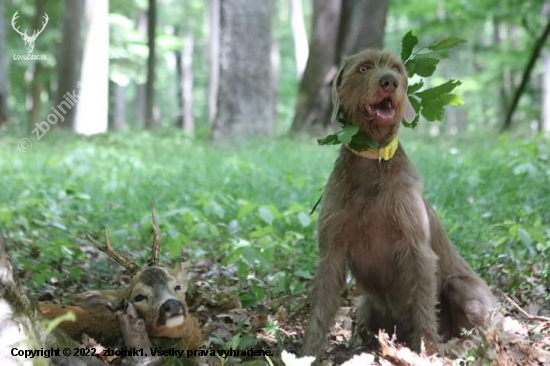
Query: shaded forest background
[226, 68]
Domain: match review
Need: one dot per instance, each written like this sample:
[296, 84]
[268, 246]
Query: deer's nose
[172, 307]
[389, 82]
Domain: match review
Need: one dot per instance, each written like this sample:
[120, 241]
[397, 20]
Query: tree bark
[313, 103]
[4, 78]
[275, 72]
[187, 83]
[37, 82]
[526, 75]
[545, 125]
[340, 28]
[244, 98]
[139, 102]
[214, 59]
[117, 110]
[69, 61]
[150, 121]
[363, 25]
[299, 36]
[92, 112]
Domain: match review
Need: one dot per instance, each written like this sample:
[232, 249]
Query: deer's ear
[98, 302]
[182, 275]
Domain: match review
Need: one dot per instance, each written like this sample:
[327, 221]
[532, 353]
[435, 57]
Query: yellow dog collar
[385, 153]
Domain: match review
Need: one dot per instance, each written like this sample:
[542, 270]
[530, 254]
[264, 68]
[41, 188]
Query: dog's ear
[409, 113]
[334, 93]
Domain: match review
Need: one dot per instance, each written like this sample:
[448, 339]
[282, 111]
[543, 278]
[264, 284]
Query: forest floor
[241, 215]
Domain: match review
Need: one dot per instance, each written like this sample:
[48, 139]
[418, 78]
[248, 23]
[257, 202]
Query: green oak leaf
[446, 43]
[408, 44]
[347, 133]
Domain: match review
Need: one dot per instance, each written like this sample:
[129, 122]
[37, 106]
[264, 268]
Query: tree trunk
[184, 72]
[69, 61]
[545, 125]
[275, 71]
[150, 121]
[526, 75]
[214, 59]
[92, 113]
[299, 36]
[313, 104]
[187, 83]
[340, 28]
[139, 102]
[244, 96]
[37, 82]
[117, 110]
[363, 25]
[4, 79]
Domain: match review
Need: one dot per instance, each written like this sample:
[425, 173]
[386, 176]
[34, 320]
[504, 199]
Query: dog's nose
[389, 82]
[172, 307]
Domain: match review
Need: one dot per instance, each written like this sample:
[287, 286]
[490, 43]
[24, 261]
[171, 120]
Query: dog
[375, 221]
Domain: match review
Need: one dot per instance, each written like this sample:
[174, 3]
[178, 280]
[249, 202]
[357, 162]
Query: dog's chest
[386, 222]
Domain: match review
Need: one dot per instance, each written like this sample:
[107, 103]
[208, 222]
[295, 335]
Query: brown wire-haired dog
[376, 221]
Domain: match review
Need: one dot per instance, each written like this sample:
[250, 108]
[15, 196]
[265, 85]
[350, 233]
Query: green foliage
[247, 207]
[430, 102]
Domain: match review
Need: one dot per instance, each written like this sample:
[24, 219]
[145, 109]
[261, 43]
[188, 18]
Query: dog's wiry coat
[375, 221]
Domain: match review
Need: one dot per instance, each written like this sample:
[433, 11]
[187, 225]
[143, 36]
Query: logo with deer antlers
[29, 40]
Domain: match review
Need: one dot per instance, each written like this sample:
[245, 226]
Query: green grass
[248, 205]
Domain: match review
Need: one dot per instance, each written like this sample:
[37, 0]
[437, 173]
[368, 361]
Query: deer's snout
[389, 83]
[170, 308]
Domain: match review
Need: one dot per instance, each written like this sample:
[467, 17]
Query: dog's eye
[140, 298]
[396, 68]
[177, 288]
[363, 69]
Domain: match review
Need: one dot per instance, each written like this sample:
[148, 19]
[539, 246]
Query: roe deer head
[158, 295]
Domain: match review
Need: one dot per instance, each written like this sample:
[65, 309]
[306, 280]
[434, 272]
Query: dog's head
[371, 91]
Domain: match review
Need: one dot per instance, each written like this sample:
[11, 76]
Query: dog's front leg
[328, 284]
[419, 286]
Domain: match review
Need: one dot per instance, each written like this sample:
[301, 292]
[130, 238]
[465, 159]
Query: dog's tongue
[384, 110]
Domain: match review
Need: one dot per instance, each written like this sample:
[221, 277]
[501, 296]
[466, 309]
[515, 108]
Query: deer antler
[43, 26]
[13, 21]
[108, 249]
[155, 248]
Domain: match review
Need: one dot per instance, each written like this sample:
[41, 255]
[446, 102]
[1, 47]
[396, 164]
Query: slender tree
[69, 60]
[244, 104]
[526, 75]
[4, 80]
[150, 120]
[299, 36]
[37, 82]
[139, 101]
[92, 114]
[184, 71]
[214, 19]
[340, 28]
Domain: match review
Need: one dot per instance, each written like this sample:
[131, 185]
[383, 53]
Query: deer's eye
[177, 288]
[140, 298]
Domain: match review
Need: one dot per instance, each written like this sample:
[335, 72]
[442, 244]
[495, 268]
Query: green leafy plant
[428, 102]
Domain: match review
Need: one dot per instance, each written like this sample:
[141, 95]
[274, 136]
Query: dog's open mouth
[384, 110]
